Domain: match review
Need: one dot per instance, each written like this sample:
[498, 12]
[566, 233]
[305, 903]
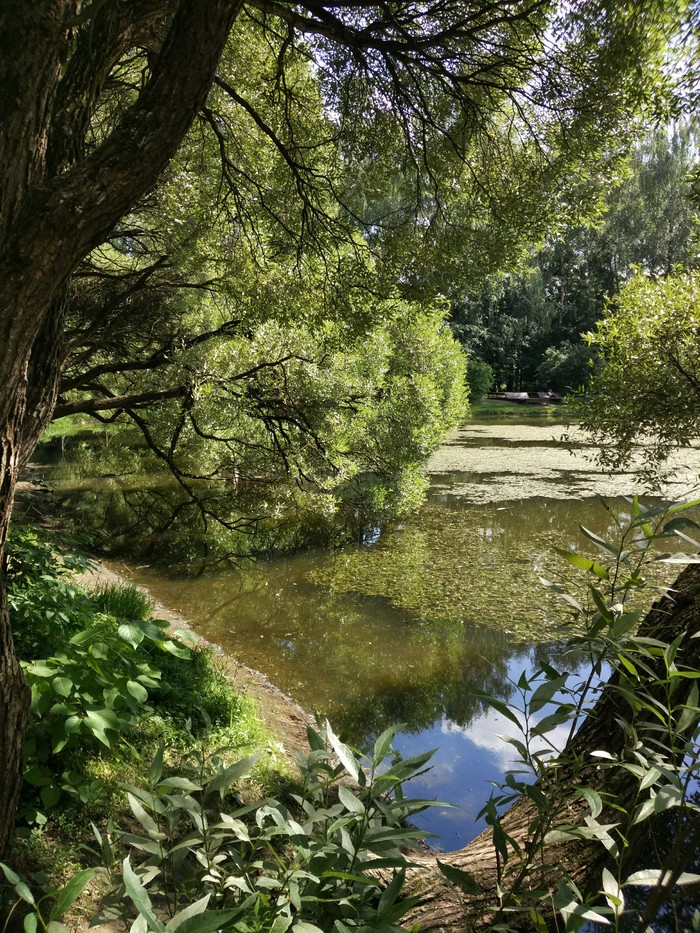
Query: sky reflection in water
[401, 630]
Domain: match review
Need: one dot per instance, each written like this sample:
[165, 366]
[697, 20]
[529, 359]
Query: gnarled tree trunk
[57, 204]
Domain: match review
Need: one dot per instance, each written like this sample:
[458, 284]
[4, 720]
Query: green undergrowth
[154, 796]
[75, 426]
[109, 688]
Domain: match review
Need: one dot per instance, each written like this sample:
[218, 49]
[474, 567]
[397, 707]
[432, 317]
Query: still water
[404, 628]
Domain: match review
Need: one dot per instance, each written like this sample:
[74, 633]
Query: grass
[74, 426]
[123, 601]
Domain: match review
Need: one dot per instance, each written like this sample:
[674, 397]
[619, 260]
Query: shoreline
[280, 713]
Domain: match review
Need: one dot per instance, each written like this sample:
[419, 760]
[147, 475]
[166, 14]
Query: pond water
[403, 629]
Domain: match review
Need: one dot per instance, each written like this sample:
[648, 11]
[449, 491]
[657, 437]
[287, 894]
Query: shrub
[306, 864]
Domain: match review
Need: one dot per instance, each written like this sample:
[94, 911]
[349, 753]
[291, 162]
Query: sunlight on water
[404, 627]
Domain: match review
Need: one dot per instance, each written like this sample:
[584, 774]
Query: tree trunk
[443, 909]
[14, 693]
[55, 208]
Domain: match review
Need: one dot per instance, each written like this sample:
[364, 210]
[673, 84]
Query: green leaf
[156, 769]
[391, 892]
[70, 892]
[139, 896]
[132, 633]
[345, 755]
[593, 798]
[144, 818]
[689, 714]
[41, 669]
[193, 910]
[281, 924]
[11, 876]
[382, 746]
[650, 778]
[348, 876]
[612, 890]
[548, 723]
[62, 686]
[600, 603]
[179, 783]
[137, 691]
[466, 882]
[30, 923]
[544, 693]
[37, 776]
[584, 563]
[600, 542]
[349, 800]
[176, 649]
[496, 704]
[50, 795]
[222, 781]
[22, 890]
[680, 506]
[648, 877]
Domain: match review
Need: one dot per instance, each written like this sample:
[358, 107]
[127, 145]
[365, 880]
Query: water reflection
[403, 628]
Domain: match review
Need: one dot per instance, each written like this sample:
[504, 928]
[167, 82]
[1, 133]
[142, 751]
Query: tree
[471, 101]
[566, 367]
[479, 378]
[646, 219]
[646, 396]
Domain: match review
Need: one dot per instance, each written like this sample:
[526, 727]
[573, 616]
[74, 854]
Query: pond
[404, 628]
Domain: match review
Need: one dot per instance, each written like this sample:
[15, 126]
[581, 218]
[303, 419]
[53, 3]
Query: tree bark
[54, 210]
[443, 909]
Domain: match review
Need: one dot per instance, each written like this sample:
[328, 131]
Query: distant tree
[646, 396]
[479, 378]
[566, 367]
[517, 322]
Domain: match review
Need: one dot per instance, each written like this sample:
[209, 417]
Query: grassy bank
[110, 688]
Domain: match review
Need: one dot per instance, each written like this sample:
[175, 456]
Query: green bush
[47, 606]
[307, 864]
[480, 378]
[123, 601]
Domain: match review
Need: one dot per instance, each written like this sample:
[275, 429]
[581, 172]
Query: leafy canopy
[647, 394]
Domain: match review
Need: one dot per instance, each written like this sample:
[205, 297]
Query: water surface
[403, 629]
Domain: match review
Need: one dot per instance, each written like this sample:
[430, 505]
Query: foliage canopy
[647, 394]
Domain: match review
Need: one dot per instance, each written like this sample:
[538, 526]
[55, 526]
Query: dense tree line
[527, 324]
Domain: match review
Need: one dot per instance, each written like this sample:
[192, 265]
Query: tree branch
[90, 406]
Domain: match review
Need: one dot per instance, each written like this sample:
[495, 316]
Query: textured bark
[54, 210]
[14, 693]
[442, 909]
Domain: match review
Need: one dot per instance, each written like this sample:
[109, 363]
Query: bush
[480, 377]
[307, 864]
